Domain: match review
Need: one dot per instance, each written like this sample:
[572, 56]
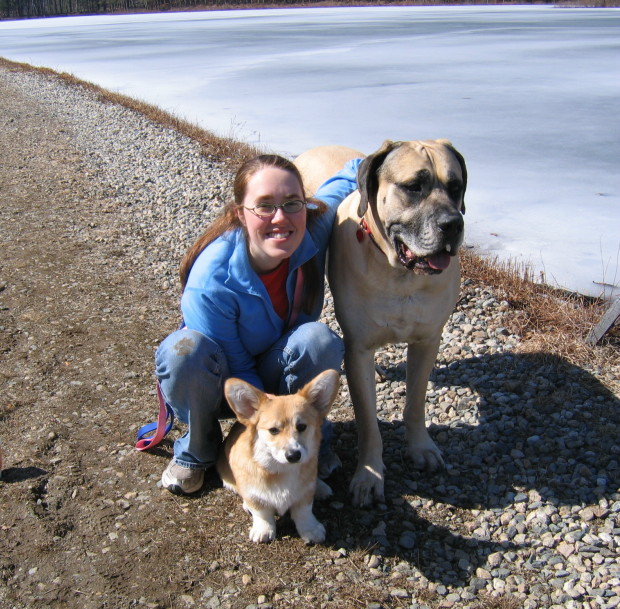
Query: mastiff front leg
[367, 482]
[421, 358]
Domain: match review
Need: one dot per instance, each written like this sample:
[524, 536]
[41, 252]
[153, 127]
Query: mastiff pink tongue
[439, 261]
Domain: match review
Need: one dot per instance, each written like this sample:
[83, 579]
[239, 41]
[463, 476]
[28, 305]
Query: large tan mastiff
[394, 275]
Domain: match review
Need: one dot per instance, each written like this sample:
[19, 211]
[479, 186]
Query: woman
[253, 288]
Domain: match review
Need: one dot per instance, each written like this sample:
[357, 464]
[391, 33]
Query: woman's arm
[332, 192]
[337, 188]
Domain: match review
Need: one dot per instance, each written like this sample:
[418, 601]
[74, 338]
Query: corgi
[270, 457]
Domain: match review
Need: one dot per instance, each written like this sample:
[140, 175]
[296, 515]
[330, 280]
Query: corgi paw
[313, 534]
[323, 490]
[262, 532]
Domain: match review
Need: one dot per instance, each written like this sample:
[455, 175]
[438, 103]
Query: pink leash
[160, 428]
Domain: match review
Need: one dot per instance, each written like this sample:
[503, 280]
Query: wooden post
[607, 321]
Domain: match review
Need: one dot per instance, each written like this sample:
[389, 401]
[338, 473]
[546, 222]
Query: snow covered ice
[529, 95]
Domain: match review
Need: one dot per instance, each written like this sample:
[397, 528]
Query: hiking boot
[329, 462]
[181, 480]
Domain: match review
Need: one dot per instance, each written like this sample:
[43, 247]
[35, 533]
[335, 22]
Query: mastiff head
[415, 191]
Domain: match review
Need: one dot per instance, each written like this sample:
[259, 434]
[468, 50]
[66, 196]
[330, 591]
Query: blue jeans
[191, 369]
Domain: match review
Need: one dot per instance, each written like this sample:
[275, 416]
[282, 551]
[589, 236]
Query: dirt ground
[83, 523]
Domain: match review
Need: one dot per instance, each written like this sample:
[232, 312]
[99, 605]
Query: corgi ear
[243, 398]
[321, 391]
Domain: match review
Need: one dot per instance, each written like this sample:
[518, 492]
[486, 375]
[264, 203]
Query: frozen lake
[529, 95]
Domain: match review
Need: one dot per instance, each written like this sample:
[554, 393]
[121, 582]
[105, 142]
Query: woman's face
[275, 238]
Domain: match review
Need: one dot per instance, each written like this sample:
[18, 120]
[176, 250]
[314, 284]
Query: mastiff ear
[367, 180]
[461, 160]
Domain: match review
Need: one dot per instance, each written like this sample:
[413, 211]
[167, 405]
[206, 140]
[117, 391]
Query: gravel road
[97, 207]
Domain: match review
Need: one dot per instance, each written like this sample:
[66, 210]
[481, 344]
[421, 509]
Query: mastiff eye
[414, 187]
[274, 431]
[301, 427]
[455, 189]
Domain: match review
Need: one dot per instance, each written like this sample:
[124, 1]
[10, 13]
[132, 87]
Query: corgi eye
[274, 431]
[301, 427]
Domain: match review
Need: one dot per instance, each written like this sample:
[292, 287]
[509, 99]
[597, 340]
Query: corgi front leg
[263, 524]
[308, 527]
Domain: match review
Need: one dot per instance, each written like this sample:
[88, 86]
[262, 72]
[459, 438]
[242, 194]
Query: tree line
[23, 9]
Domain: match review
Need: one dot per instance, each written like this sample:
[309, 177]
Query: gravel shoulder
[97, 206]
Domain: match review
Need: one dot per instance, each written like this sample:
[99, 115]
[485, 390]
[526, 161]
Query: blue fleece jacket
[225, 299]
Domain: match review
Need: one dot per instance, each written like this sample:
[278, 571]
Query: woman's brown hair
[229, 220]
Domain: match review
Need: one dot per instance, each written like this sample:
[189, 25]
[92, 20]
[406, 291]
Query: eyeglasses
[267, 210]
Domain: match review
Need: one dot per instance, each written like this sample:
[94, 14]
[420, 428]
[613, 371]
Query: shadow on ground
[546, 434]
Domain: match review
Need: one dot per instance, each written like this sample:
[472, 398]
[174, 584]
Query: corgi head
[286, 429]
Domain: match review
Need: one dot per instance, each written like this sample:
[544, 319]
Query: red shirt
[275, 282]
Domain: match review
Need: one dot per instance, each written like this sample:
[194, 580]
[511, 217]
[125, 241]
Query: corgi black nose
[292, 456]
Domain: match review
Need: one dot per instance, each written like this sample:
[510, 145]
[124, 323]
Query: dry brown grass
[501, 602]
[550, 321]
